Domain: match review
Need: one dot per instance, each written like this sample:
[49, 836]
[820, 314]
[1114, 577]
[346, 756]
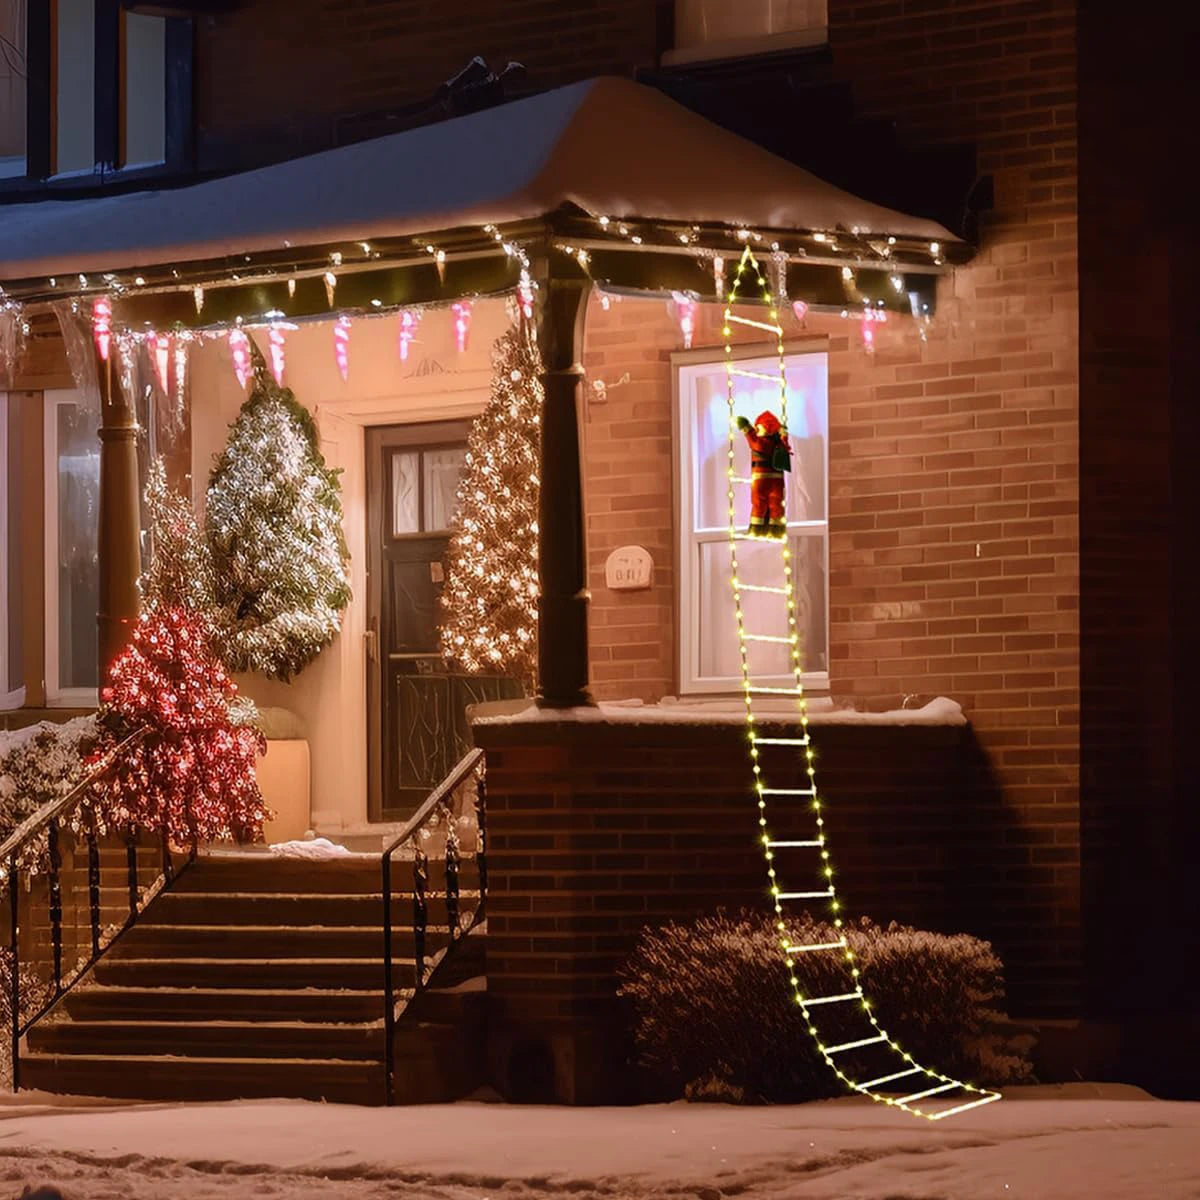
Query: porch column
[120, 537]
[562, 562]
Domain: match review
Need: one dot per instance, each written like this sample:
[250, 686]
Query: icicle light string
[907, 1068]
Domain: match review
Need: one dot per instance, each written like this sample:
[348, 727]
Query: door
[416, 705]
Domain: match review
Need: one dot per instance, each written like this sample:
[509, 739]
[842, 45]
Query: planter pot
[283, 776]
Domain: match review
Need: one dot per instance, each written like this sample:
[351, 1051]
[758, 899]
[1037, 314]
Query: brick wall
[272, 77]
[597, 830]
[953, 566]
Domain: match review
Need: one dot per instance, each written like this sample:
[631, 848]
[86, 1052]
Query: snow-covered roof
[612, 147]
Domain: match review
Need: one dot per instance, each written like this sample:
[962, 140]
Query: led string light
[921, 1083]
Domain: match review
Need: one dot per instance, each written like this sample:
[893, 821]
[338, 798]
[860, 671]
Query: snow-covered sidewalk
[1090, 1142]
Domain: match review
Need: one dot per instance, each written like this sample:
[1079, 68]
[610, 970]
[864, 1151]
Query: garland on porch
[273, 522]
[489, 603]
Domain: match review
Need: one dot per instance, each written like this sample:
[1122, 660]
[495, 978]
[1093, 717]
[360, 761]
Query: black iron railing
[36, 860]
[437, 816]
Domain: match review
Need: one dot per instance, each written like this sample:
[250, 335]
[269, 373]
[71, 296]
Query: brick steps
[264, 977]
[139, 1077]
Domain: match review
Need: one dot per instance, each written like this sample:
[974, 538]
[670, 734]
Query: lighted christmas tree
[274, 525]
[180, 574]
[193, 771]
[489, 602]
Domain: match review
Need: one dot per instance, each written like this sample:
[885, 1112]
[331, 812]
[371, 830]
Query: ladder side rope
[938, 1084]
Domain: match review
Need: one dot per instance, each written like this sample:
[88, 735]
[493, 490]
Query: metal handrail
[470, 764]
[48, 819]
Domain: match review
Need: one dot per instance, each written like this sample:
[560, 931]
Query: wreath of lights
[933, 1086]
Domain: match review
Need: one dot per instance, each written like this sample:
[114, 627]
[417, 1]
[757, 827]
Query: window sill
[747, 47]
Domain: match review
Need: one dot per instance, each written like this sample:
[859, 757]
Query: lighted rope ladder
[864, 1056]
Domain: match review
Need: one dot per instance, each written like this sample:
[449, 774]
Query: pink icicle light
[409, 320]
[102, 325]
[275, 344]
[799, 310]
[525, 294]
[341, 346]
[685, 314]
[160, 347]
[239, 344]
[462, 323]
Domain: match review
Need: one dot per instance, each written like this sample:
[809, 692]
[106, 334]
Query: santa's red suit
[770, 458]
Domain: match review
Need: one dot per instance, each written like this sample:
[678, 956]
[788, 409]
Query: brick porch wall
[598, 830]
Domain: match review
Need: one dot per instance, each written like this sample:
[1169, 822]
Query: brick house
[967, 541]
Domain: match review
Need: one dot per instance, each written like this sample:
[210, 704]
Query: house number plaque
[628, 568]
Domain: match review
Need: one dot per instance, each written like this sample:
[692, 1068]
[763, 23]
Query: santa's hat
[769, 421]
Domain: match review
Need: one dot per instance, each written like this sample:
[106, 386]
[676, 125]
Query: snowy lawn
[1083, 1141]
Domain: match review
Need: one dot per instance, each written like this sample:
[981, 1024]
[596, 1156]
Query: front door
[416, 705]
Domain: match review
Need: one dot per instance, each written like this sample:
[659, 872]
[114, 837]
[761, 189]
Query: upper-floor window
[710, 29]
[84, 88]
[709, 651]
[13, 74]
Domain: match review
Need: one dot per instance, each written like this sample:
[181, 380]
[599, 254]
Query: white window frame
[10, 697]
[56, 696]
[688, 540]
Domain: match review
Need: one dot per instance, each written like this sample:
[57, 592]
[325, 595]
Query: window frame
[41, 169]
[10, 697]
[810, 37]
[688, 540]
[56, 695]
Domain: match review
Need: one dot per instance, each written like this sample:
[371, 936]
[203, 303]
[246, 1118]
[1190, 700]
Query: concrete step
[148, 939]
[116, 1003]
[264, 873]
[210, 1039]
[142, 1077]
[300, 909]
[242, 973]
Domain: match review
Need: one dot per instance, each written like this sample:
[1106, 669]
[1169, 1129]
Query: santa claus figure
[770, 459]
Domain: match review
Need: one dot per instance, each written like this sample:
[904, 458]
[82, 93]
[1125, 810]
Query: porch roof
[607, 146]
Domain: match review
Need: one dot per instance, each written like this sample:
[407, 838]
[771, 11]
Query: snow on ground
[1076, 1142]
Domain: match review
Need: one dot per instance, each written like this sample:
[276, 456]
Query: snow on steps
[262, 977]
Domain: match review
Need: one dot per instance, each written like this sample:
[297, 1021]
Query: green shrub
[715, 1018]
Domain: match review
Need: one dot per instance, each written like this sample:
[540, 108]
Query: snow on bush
[34, 994]
[715, 1016]
[40, 763]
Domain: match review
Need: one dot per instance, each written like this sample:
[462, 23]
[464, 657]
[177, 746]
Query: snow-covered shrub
[714, 1013]
[35, 991]
[40, 763]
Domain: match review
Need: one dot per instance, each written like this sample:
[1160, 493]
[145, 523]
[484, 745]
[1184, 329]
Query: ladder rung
[762, 741]
[949, 1112]
[753, 374]
[933, 1091]
[831, 999]
[759, 537]
[791, 845]
[812, 791]
[767, 637]
[740, 479]
[758, 587]
[774, 691]
[814, 946]
[803, 895]
[880, 1037]
[755, 324]
[889, 1078]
